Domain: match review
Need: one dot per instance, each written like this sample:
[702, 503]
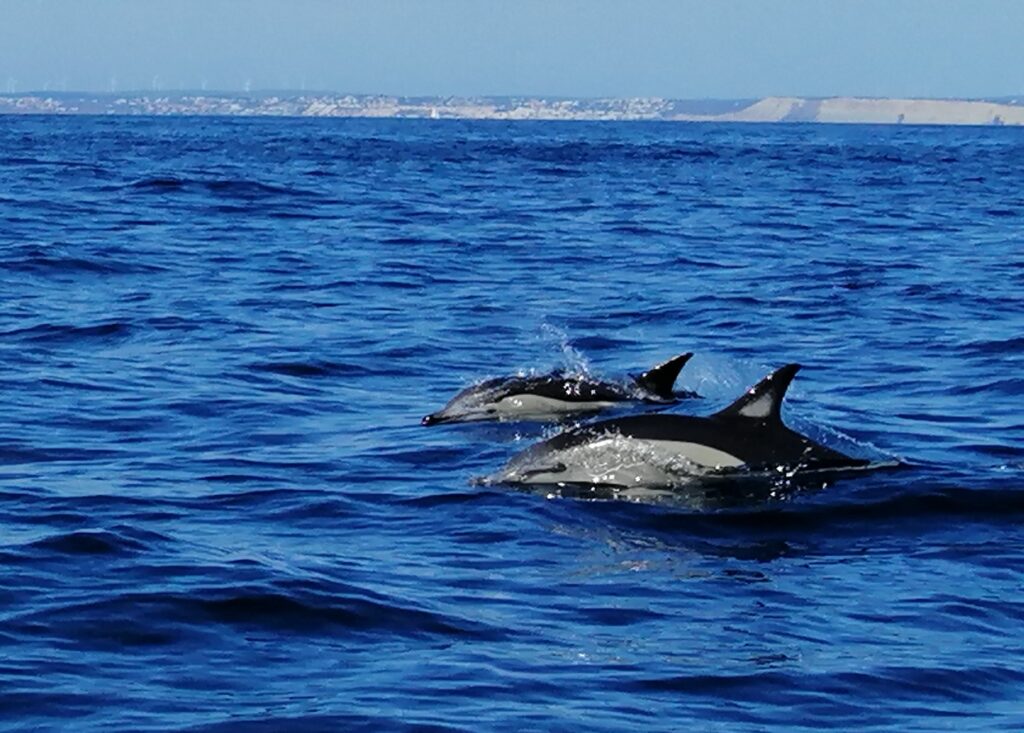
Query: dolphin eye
[491, 410]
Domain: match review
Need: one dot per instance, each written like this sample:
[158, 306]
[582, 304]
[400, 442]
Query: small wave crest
[60, 332]
[223, 187]
[57, 260]
[90, 542]
[1011, 346]
[166, 616]
[308, 369]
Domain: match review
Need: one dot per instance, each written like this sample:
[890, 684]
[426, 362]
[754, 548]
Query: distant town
[1000, 111]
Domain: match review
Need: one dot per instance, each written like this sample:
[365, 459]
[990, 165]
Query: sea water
[219, 511]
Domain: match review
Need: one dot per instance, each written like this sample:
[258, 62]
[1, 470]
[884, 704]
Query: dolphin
[555, 395]
[665, 449]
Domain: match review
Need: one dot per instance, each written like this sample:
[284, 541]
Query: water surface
[219, 510]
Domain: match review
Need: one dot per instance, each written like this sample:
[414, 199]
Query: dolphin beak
[433, 419]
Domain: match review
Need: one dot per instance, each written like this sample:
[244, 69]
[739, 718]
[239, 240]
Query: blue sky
[586, 48]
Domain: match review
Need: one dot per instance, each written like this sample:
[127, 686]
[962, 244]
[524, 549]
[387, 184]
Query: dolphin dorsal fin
[661, 379]
[763, 401]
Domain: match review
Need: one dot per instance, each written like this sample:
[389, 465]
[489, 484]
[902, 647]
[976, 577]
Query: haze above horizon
[571, 48]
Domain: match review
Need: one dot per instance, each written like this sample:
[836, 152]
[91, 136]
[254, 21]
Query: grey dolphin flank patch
[656, 449]
[552, 396]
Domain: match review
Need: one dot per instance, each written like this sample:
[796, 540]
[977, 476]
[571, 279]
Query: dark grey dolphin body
[656, 449]
[555, 395]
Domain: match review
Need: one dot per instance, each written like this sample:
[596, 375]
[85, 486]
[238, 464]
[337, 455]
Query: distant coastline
[999, 111]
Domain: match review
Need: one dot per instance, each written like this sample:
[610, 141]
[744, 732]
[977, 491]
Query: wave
[61, 333]
[747, 520]
[266, 722]
[222, 187]
[34, 259]
[813, 694]
[166, 616]
[1012, 346]
[23, 705]
[309, 369]
[14, 452]
[96, 542]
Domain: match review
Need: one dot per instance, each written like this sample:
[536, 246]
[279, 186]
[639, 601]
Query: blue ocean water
[220, 512]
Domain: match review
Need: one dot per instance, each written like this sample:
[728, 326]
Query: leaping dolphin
[557, 395]
[657, 449]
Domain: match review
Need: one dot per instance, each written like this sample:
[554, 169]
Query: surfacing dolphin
[552, 396]
[661, 449]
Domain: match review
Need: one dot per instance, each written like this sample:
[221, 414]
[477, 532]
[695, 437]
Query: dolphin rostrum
[662, 449]
[551, 396]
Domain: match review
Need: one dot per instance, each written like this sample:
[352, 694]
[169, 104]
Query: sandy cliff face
[919, 111]
[769, 109]
[879, 111]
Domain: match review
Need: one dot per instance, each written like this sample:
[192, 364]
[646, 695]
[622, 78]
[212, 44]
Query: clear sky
[583, 48]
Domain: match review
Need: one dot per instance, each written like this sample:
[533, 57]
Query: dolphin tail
[660, 380]
[763, 401]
